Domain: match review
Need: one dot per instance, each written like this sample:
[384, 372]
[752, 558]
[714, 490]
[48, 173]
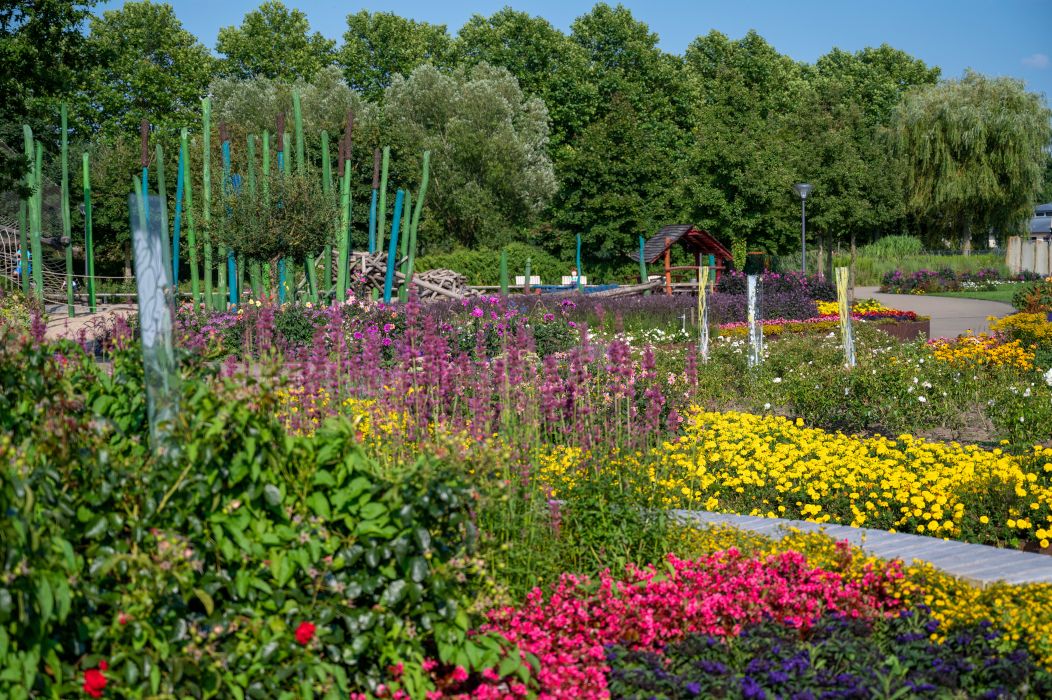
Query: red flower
[305, 633]
[94, 681]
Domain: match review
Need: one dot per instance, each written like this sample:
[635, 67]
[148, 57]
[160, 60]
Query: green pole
[526, 281]
[326, 185]
[191, 232]
[206, 194]
[381, 221]
[345, 223]
[23, 246]
[162, 192]
[267, 276]
[403, 245]
[504, 271]
[67, 228]
[290, 278]
[580, 272]
[642, 263]
[297, 116]
[89, 243]
[415, 225]
[254, 272]
[38, 254]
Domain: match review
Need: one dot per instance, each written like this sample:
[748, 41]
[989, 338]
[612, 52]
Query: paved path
[978, 563]
[60, 325]
[950, 316]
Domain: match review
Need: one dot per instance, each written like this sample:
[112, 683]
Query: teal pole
[178, 220]
[579, 271]
[231, 262]
[392, 249]
[67, 232]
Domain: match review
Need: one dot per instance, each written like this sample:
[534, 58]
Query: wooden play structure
[694, 240]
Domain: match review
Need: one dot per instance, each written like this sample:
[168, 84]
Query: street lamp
[802, 189]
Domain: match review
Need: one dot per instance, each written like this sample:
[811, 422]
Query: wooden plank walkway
[978, 563]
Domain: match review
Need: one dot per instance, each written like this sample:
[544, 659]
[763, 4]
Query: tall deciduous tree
[41, 50]
[274, 42]
[739, 176]
[974, 152]
[149, 67]
[490, 171]
[546, 62]
[379, 45]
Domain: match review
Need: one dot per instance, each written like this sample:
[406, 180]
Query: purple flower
[477, 312]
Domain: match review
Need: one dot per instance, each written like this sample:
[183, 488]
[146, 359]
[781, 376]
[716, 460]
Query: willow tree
[974, 154]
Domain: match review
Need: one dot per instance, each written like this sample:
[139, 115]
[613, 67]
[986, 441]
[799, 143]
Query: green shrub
[893, 247]
[16, 310]
[193, 575]
[1034, 298]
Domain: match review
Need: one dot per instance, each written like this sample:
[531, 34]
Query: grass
[870, 269]
[1004, 295]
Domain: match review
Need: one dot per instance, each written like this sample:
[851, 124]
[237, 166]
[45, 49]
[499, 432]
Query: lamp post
[802, 189]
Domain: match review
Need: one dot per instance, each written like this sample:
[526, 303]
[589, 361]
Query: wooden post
[206, 195]
[326, 186]
[255, 274]
[668, 266]
[392, 248]
[373, 203]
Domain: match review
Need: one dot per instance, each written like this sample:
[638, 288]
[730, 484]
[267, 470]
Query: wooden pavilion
[695, 240]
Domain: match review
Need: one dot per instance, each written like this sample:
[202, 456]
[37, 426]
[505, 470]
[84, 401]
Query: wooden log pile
[368, 270]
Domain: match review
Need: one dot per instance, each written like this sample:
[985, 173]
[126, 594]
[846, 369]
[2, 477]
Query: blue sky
[1006, 37]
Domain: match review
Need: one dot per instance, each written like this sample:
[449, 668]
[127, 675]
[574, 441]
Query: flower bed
[946, 280]
[769, 465]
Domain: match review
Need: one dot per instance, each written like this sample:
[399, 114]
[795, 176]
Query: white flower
[922, 399]
[1048, 377]
[766, 406]
[777, 380]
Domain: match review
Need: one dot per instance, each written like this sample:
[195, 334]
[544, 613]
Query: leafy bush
[249, 564]
[838, 657]
[289, 215]
[1035, 298]
[893, 247]
[16, 310]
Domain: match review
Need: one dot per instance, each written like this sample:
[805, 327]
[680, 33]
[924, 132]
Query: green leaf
[205, 599]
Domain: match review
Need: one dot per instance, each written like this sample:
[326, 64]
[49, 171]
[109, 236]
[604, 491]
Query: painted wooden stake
[504, 271]
[67, 229]
[162, 194]
[37, 232]
[191, 231]
[206, 195]
[703, 313]
[268, 276]
[580, 272]
[231, 260]
[23, 246]
[373, 203]
[144, 142]
[425, 178]
[847, 334]
[279, 136]
[297, 119]
[177, 224]
[342, 263]
[381, 222]
[326, 186]
[403, 245]
[393, 246]
[89, 237]
[255, 275]
[30, 270]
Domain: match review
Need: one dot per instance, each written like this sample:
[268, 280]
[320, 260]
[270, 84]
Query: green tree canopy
[274, 42]
[41, 50]
[490, 171]
[148, 67]
[379, 45]
[974, 152]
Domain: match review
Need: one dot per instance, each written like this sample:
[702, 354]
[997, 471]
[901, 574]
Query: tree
[379, 45]
[41, 51]
[546, 62]
[490, 171]
[149, 67]
[274, 42]
[739, 173]
[974, 152]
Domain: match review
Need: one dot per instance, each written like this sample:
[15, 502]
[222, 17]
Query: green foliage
[16, 310]
[1034, 298]
[290, 215]
[148, 67]
[42, 51]
[893, 247]
[274, 42]
[192, 574]
[377, 46]
[974, 150]
[490, 173]
[482, 266]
